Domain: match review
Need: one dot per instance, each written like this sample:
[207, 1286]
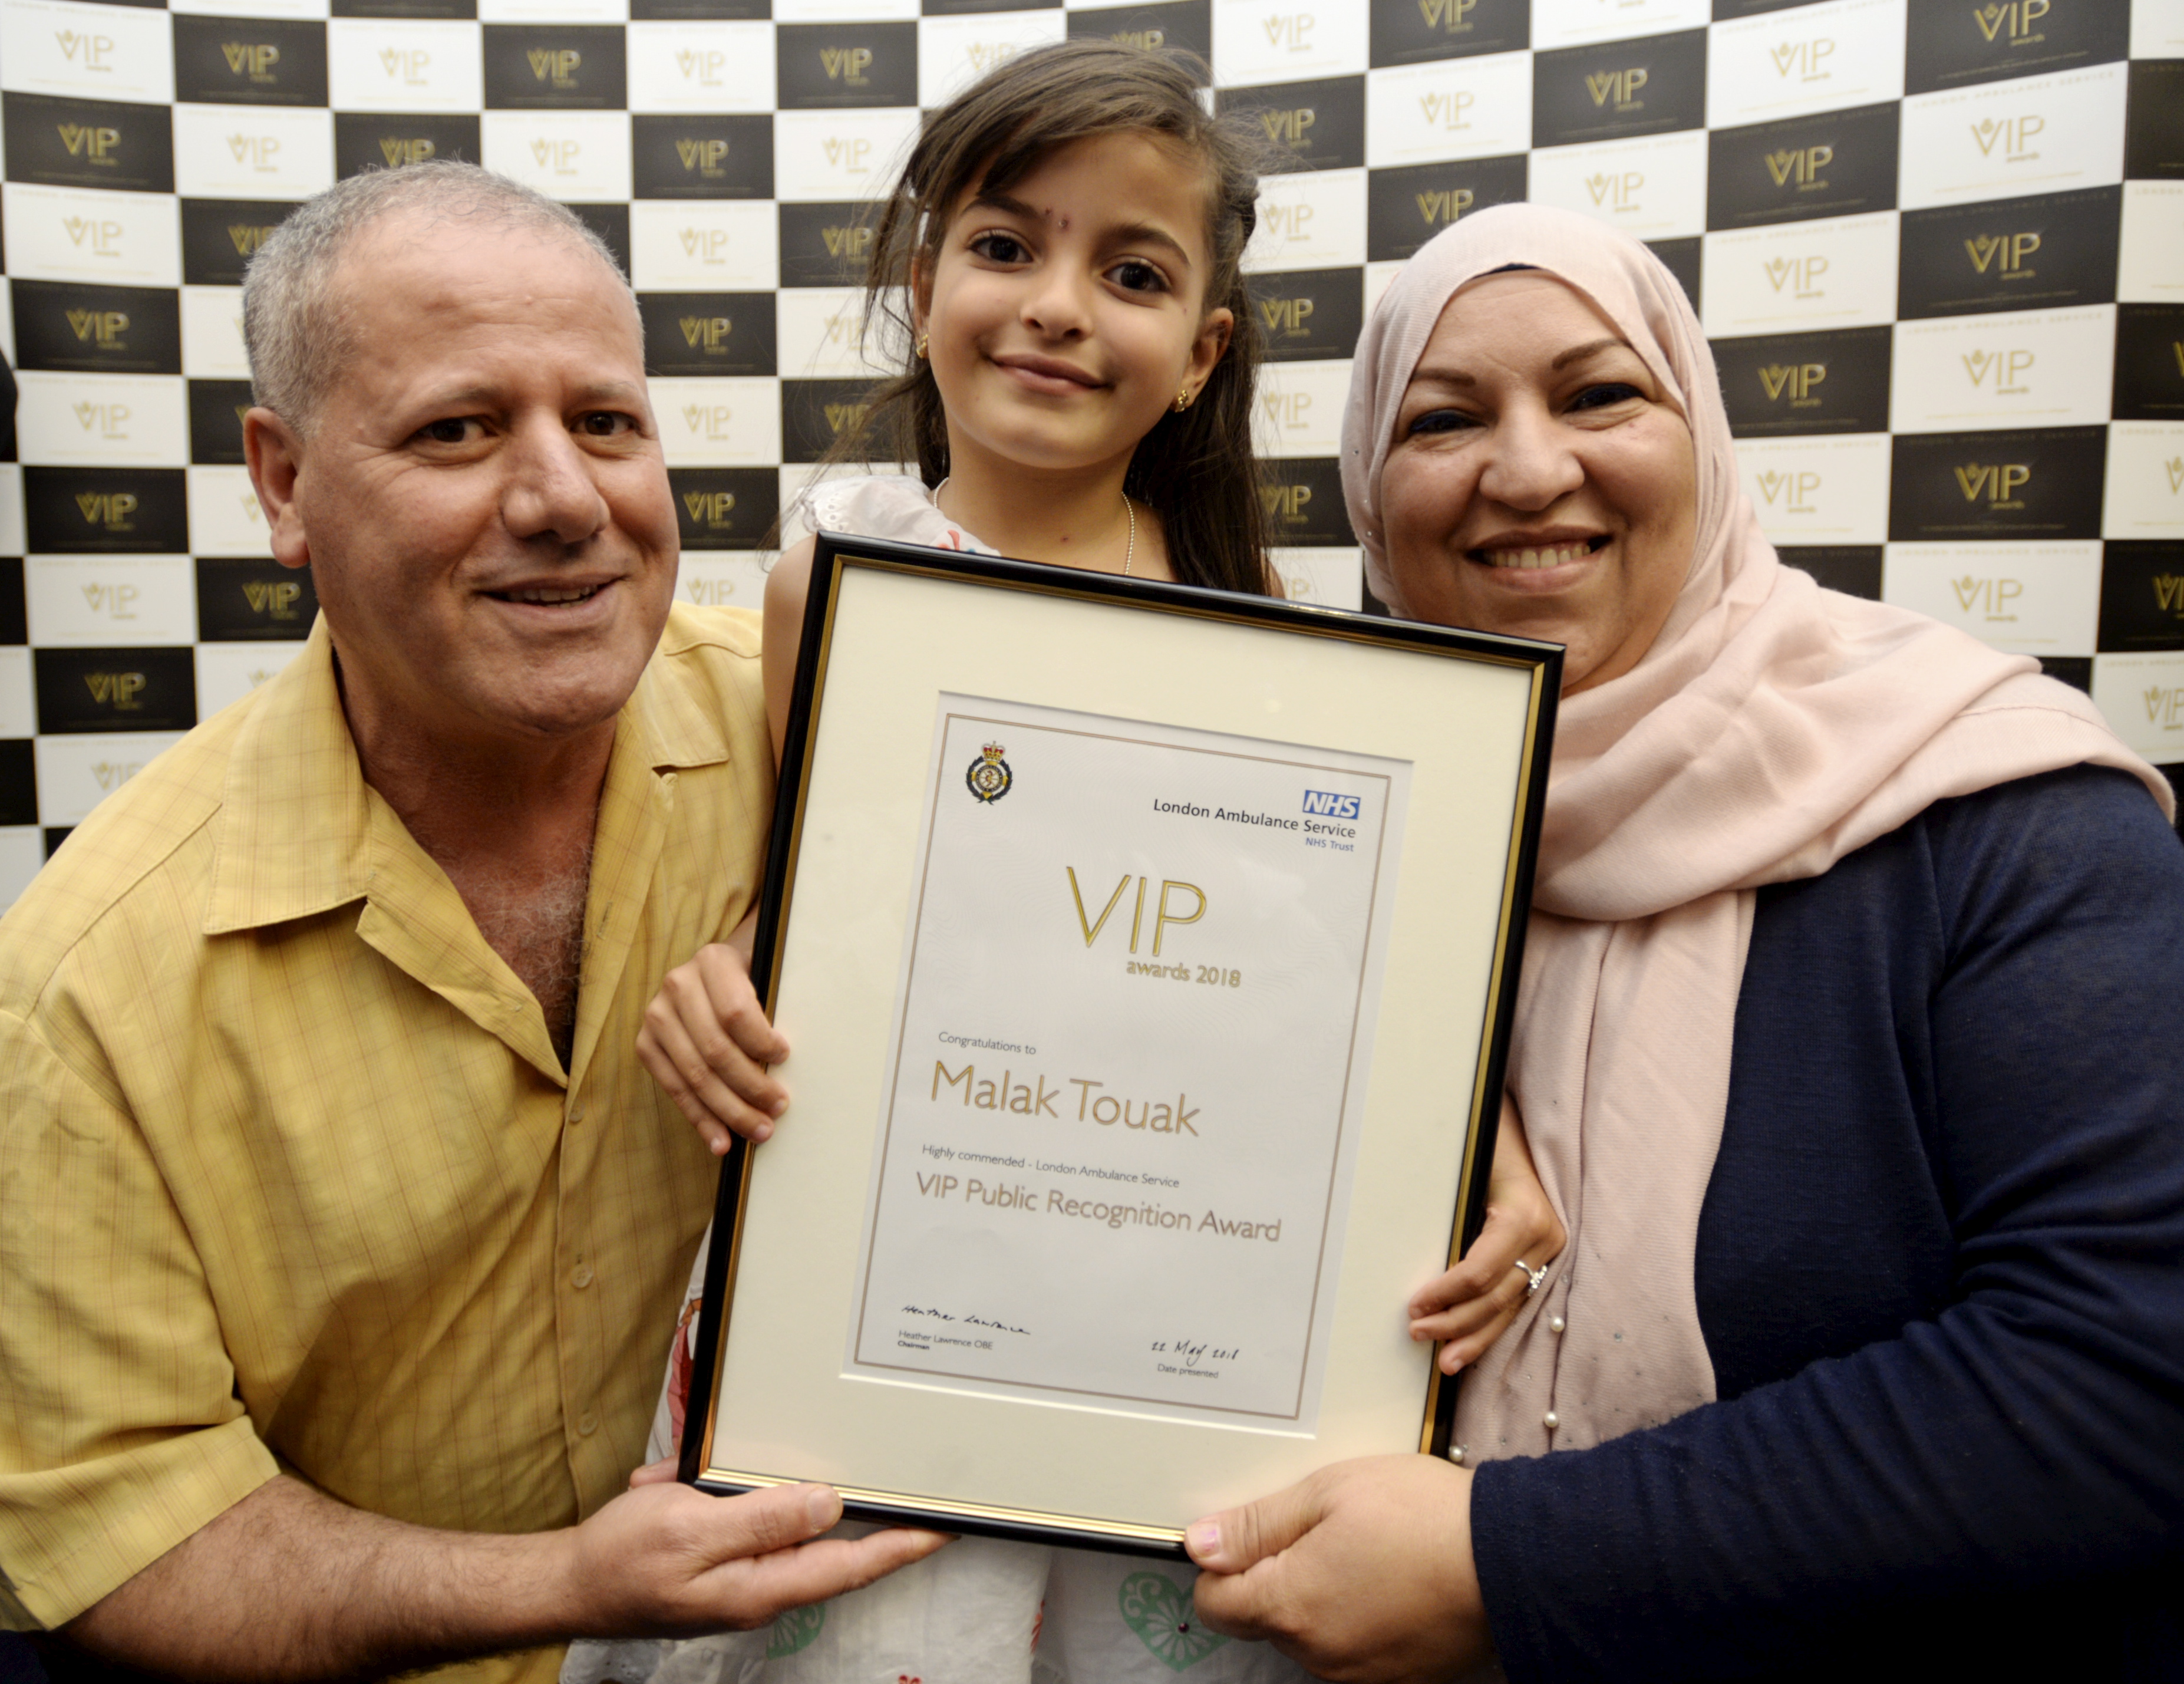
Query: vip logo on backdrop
[67, 142]
[2175, 468]
[822, 245]
[814, 413]
[707, 246]
[254, 600]
[1594, 93]
[393, 140]
[557, 66]
[1993, 599]
[708, 333]
[106, 422]
[576, 66]
[1446, 111]
[217, 408]
[1406, 207]
[72, 328]
[703, 157]
[109, 689]
[984, 55]
[1799, 382]
[94, 146]
[2149, 362]
[220, 236]
[702, 67]
[1801, 61]
[259, 62]
[1804, 168]
[103, 327]
[1287, 411]
[724, 507]
[558, 157]
[2012, 140]
[2000, 483]
[713, 422]
[1290, 31]
[96, 236]
[1837, 164]
[1617, 193]
[2040, 253]
[253, 59]
[2141, 595]
[2037, 483]
[1309, 125]
[112, 601]
[820, 66]
[110, 511]
[1798, 277]
[259, 152]
[707, 158]
[123, 692]
[80, 511]
[2012, 249]
[1302, 498]
[1829, 382]
[1415, 31]
[93, 52]
[406, 65]
[1954, 43]
[1187, 24]
[2001, 372]
[1618, 90]
[2015, 23]
[1786, 492]
[2165, 707]
[847, 154]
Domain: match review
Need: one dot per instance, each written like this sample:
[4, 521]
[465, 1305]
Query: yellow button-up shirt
[290, 1172]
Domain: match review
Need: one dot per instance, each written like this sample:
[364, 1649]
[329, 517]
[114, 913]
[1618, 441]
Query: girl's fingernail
[1204, 1536]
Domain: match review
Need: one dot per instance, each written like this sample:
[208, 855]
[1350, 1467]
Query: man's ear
[275, 456]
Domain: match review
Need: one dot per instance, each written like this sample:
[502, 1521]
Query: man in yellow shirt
[341, 1232]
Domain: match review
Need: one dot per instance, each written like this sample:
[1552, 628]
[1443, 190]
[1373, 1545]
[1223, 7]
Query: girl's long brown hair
[1194, 470]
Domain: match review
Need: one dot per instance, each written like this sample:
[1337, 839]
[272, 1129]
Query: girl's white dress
[980, 1612]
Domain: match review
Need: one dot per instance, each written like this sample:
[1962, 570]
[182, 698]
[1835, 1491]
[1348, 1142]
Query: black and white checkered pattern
[1939, 246]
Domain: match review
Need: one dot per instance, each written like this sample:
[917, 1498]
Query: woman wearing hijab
[1847, 1044]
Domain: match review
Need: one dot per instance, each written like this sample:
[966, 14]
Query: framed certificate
[1148, 955]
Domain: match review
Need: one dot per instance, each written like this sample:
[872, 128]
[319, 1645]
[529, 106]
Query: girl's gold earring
[921, 339]
[1183, 398]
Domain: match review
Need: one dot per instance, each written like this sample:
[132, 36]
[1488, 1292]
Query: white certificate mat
[1135, 906]
[1092, 1184]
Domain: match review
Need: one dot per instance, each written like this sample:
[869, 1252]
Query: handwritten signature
[967, 1321]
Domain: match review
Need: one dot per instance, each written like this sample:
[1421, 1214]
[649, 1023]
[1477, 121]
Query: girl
[1062, 261]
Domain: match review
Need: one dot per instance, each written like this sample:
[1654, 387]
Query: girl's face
[1064, 313]
[1541, 484]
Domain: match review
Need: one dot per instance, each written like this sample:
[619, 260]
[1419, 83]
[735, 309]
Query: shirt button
[587, 1424]
[1551, 1420]
[576, 1112]
[581, 1276]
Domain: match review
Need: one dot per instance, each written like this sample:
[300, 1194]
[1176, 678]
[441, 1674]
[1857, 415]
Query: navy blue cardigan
[1940, 1275]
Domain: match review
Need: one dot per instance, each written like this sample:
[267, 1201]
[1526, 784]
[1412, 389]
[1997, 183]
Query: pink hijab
[1772, 728]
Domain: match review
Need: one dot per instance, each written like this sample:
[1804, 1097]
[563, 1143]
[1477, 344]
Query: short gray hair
[293, 319]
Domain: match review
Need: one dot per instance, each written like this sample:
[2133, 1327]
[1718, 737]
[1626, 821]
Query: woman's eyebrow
[1577, 353]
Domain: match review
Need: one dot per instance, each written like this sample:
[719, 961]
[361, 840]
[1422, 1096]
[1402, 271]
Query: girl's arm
[706, 1039]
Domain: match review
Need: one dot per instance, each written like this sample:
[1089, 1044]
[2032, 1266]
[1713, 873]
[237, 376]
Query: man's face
[483, 501]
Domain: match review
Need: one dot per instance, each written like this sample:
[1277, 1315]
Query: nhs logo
[1326, 803]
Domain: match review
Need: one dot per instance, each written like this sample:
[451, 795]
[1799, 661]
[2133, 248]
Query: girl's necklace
[1129, 510]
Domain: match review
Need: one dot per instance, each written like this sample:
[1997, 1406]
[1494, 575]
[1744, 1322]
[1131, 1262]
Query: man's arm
[290, 1584]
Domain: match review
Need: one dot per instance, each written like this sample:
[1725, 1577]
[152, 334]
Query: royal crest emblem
[989, 777]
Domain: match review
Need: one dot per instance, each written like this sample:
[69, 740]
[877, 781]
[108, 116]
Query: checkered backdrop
[1939, 246]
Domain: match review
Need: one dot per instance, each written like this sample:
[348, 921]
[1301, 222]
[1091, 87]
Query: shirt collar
[297, 821]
